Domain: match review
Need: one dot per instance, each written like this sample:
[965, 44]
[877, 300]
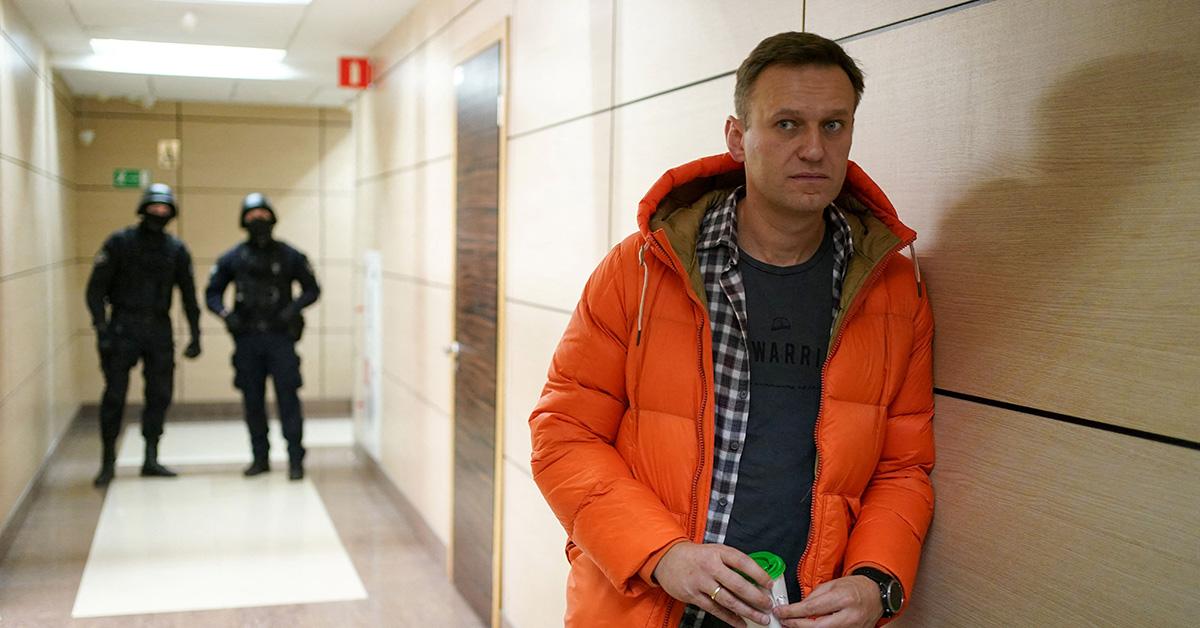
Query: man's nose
[811, 146]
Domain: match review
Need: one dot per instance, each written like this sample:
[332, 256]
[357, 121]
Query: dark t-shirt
[789, 313]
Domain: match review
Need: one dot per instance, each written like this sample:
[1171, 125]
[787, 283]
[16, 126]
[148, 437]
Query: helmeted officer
[266, 324]
[133, 276]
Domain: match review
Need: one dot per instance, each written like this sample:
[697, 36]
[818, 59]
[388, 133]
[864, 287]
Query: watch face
[895, 596]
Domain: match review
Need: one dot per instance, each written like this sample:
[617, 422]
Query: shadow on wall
[1068, 275]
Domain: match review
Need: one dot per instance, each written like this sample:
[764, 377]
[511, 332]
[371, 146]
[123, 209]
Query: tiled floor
[257, 552]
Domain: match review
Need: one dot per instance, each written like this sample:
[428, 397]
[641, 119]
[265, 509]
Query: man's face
[258, 213]
[159, 209]
[796, 142]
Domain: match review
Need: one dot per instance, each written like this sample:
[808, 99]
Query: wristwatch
[891, 592]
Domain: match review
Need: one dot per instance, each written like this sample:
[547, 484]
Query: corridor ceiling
[313, 35]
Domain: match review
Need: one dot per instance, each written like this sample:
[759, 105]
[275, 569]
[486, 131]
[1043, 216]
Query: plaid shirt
[717, 253]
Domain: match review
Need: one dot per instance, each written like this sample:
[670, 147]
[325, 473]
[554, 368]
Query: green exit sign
[130, 178]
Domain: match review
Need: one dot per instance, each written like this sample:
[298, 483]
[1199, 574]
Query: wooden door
[476, 300]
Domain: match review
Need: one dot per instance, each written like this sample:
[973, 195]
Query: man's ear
[734, 136]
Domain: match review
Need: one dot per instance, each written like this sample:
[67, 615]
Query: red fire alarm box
[354, 72]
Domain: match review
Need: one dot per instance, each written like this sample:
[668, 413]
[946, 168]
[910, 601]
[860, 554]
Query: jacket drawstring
[645, 282]
[912, 251]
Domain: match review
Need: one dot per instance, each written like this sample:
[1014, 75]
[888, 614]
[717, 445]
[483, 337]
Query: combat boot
[107, 463]
[150, 467]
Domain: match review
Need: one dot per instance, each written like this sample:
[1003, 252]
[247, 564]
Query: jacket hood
[683, 186]
[676, 204]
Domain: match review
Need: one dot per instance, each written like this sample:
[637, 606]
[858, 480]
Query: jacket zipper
[693, 515]
[812, 505]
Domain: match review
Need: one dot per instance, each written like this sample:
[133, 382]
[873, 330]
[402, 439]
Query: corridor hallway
[211, 548]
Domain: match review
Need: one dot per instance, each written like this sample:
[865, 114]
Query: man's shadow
[1072, 283]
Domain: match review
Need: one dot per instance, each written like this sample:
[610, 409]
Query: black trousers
[130, 340]
[257, 355]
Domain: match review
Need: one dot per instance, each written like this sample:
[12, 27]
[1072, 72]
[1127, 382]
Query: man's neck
[778, 236]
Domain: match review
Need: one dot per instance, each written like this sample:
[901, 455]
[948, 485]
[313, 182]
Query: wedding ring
[713, 595]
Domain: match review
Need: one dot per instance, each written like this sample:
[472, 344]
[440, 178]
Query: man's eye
[786, 125]
[834, 125]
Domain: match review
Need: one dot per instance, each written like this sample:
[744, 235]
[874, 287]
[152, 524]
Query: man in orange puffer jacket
[751, 371]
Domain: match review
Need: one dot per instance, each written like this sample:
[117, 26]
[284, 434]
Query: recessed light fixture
[171, 59]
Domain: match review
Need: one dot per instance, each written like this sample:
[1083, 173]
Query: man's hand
[193, 349]
[691, 573]
[233, 323]
[849, 602]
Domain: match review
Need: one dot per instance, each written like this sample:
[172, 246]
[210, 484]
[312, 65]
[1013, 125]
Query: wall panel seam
[38, 369]
[395, 379]
[29, 272]
[17, 161]
[1071, 419]
[538, 306]
[387, 174]
[421, 281]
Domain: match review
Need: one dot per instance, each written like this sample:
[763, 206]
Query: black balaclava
[260, 230]
[157, 193]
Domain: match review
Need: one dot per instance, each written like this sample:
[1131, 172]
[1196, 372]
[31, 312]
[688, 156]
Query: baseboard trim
[208, 410]
[16, 517]
[420, 527]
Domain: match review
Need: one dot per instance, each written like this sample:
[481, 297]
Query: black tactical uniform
[133, 276]
[266, 324]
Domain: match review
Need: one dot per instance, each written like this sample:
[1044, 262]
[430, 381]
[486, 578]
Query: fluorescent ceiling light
[239, 1]
[169, 59]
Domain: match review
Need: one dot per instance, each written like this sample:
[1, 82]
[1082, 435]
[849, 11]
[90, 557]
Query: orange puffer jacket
[623, 432]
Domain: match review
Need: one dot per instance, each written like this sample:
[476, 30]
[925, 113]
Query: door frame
[497, 33]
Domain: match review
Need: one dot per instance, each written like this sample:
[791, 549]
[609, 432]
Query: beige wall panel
[21, 32]
[415, 337]
[424, 20]
[21, 218]
[531, 335]
[79, 272]
[417, 454]
[1041, 523]
[561, 61]
[338, 115]
[668, 43]
[250, 156]
[21, 436]
[337, 296]
[262, 112]
[299, 222]
[22, 108]
[210, 376]
[535, 567]
[1055, 239]
[339, 365]
[123, 143]
[341, 218]
[62, 303]
[63, 391]
[377, 133]
[684, 125]
[394, 200]
[337, 158]
[23, 341]
[433, 222]
[409, 146]
[117, 105]
[841, 18]
[99, 214]
[437, 106]
[482, 17]
[558, 186]
[53, 219]
[63, 139]
[208, 225]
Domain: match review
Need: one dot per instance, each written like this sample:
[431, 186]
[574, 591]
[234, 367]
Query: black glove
[104, 339]
[233, 323]
[193, 349]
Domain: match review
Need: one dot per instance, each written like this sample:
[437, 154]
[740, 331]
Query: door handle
[453, 349]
